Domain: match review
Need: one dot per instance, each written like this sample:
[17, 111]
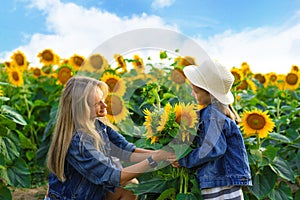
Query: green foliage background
[27, 116]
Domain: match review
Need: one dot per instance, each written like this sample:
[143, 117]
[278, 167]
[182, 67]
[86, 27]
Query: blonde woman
[83, 151]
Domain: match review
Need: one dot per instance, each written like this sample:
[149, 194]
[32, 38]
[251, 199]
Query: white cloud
[80, 30]
[157, 4]
[265, 49]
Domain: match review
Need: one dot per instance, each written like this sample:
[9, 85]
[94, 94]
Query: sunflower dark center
[273, 78]
[138, 64]
[48, 56]
[256, 121]
[260, 78]
[121, 62]
[64, 75]
[20, 59]
[37, 72]
[114, 105]
[243, 85]
[178, 76]
[291, 79]
[236, 76]
[295, 68]
[112, 84]
[185, 119]
[78, 61]
[96, 62]
[15, 76]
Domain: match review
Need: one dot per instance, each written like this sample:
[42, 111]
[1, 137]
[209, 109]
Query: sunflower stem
[157, 98]
[186, 181]
[278, 115]
[258, 140]
[181, 181]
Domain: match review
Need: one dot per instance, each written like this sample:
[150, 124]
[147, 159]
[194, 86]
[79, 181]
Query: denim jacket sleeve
[91, 163]
[120, 147]
[212, 145]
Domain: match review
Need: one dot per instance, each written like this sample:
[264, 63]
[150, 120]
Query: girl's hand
[176, 164]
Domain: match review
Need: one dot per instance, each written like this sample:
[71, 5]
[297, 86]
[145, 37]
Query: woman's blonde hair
[74, 114]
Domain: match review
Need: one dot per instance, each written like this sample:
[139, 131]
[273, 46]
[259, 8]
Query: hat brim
[197, 78]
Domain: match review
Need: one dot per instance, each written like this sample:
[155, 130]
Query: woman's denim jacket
[220, 158]
[90, 173]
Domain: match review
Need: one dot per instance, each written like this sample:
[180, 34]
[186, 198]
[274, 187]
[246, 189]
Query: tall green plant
[14, 171]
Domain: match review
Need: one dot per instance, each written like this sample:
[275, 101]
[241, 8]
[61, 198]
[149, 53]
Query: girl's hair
[74, 114]
[227, 110]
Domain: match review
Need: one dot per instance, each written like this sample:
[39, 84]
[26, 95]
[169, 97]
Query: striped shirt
[223, 193]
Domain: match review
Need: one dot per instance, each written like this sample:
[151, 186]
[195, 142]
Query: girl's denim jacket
[220, 157]
[90, 173]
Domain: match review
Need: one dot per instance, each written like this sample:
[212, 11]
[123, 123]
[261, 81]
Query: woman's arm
[135, 170]
[140, 154]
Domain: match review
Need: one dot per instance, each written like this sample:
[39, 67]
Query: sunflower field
[150, 103]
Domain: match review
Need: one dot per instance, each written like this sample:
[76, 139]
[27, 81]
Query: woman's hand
[160, 155]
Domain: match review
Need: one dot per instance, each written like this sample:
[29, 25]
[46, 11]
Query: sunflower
[237, 74]
[64, 73]
[47, 70]
[185, 61]
[151, 121]
[138, 64]
[178, 76]
[122, 67]
[154, 139]
[245, 68]
[115, 84]
[36, 71]
[292, 81]
[261, 78]
[7, 64]
[247, 84]
[256, 122]
[116, 110]
[15, 76]
[272, 78]
[148, 122]
[76, 61]
[19, 59]
[97, 62]
[295, 68]
[47, 57]
[164, 117]
[65, 62]
[186, 114]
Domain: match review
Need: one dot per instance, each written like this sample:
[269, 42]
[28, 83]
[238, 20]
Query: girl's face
[100, 105]
[202, 96]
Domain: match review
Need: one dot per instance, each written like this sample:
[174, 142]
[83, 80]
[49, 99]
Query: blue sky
[264, 33]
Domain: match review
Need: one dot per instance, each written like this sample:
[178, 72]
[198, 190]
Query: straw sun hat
[212, 77]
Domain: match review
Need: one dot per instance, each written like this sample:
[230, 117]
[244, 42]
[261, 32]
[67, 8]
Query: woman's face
[202, 96]
[99, 104]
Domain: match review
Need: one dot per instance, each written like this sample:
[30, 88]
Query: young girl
[220, 158]
[82, 153]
